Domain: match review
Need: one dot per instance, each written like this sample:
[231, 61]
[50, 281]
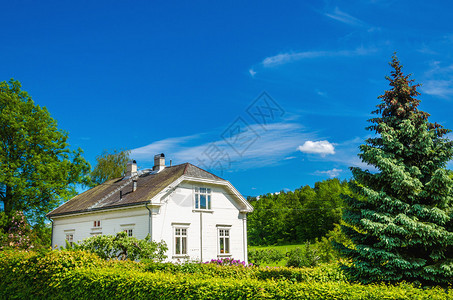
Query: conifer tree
[401, 222]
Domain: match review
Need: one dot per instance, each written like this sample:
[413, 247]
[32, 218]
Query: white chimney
[131, 169]
[159, 162]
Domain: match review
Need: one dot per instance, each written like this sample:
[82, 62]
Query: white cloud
[252, 72]
[439, 80]
[331, 173]
[284, 58]
[275, 144]
[439, 88]
[320, 147]
[343, 17]
[289, 157]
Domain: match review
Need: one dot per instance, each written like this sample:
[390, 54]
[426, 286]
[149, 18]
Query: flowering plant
[16, 233]
[228, 262]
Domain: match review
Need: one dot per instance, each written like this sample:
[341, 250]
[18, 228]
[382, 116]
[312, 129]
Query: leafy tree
[109, 166]
[292, 217]
[37, 168]
[401, 225]
[121, 246]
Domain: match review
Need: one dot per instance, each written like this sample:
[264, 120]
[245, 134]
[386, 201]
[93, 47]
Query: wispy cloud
[264, 152]
[285, 58]
[252, 72]
[439, 80]
[331, 173]
[344, 17]
[319, 147]
[439, 88]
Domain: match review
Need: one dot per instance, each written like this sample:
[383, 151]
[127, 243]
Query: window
[130, 232]
[97, 223]
[70, 238]
[180, 241]
[224, 241]
[202, 198]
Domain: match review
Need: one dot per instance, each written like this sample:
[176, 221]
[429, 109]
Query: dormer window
[202, 198]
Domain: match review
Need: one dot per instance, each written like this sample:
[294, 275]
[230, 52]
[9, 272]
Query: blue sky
[187, 78]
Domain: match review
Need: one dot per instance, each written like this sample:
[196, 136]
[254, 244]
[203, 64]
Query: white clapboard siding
[112, 222]
[176, 209]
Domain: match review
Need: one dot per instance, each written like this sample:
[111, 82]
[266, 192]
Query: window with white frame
[70, 238]
[224, 240]
[96, 223]
[129, 232]
[202, 198]
[180, 241]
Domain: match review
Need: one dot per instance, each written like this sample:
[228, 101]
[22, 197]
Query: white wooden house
[199, 215]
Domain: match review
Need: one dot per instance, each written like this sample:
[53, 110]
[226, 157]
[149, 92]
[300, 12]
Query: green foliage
[37, 168]
[109, 166]
[295, 217]
[29, 273]
[121, 246]
[322, 251]
[261, 256]
[81, 275]
[401, 225]
[303, 257]
[16, 233]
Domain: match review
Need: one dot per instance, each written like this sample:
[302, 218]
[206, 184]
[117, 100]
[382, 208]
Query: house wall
[112, 222]
[202, 225]
[177, 210]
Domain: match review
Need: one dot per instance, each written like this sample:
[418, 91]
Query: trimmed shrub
[105, 283]
[27, 273]
[74, 275]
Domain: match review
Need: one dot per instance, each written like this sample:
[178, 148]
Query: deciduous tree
[109, 166]
[37, 167]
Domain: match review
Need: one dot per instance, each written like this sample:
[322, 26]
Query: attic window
[202, 198]
[97, 224]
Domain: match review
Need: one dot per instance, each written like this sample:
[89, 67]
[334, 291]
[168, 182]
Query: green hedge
[73, 275]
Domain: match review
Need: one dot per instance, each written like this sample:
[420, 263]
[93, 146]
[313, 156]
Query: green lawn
[282, 248]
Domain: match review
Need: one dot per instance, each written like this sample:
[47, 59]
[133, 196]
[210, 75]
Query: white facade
[191, 230]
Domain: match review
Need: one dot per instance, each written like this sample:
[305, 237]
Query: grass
[281, 248]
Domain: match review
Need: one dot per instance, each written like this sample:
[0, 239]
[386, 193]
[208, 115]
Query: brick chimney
[159, 162]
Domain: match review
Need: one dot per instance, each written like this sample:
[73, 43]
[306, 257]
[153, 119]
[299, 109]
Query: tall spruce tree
[401, 222]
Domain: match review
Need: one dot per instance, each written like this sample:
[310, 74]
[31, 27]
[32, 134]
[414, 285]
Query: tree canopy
[37, 167]
[109, 166]
[401, 222]
[294, 217]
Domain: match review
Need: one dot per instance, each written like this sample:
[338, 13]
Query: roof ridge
[188, 163]
[185, 168]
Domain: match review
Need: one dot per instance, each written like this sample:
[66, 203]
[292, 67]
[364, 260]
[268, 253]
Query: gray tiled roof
[107, 195]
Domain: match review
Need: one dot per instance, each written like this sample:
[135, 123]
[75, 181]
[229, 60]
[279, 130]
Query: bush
[15, 232]
[303, 257]
[78, 274]
[122, 247]
[262, 256]
[26, 273]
